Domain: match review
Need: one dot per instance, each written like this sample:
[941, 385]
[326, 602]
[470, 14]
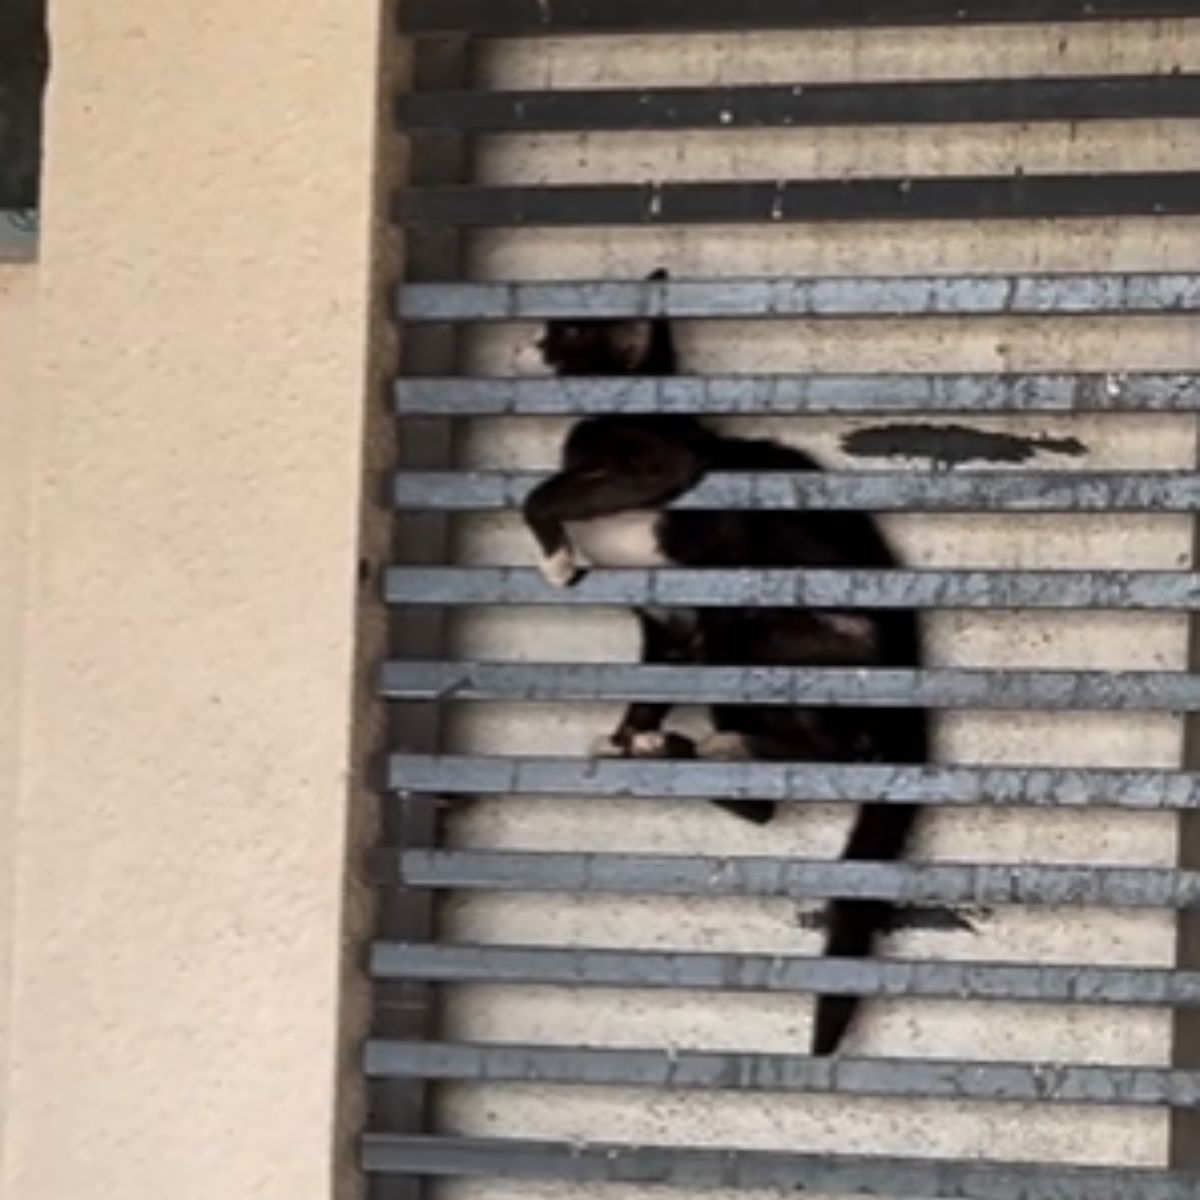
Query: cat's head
[609, 347]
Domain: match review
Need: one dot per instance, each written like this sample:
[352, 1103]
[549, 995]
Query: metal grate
[428, 680]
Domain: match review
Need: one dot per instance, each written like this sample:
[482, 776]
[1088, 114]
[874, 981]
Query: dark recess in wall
[24, 64]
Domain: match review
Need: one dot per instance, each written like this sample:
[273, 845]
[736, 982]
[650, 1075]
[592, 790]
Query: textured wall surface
[188, 654]
[18, 298]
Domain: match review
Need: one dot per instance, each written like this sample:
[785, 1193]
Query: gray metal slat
[596, 967]
[813, 105]
[795, 879]
[855, 491]
[999, 690]
[991, 197]
[566, 18]
[860, 589]
[791, 395]
[827, 296]
[798, 783]
[781, 1171]
[997, 1082]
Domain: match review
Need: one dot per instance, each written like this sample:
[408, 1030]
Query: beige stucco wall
[188, 637]
[18, 300]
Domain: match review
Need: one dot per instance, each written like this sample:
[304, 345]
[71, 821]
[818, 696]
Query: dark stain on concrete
[954, 445]
[933, 919]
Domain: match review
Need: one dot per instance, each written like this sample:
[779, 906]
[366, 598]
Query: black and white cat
[608, 507]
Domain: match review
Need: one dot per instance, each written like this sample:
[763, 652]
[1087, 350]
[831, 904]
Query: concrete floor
[1107, 641]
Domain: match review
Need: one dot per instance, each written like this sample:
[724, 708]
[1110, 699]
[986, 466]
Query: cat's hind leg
[735, 738]
[725, 745]
[640, 734]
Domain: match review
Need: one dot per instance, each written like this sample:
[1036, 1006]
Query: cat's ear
[631, 341]
[634, 341]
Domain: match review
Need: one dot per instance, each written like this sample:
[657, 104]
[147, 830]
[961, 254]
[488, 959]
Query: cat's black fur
[618, 465]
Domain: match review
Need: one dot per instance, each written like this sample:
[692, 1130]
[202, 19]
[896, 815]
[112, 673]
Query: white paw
[725, 747]
[607, 747]
[648, 745]
[559, 569]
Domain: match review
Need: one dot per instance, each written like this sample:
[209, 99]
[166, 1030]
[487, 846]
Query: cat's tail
[881, 834]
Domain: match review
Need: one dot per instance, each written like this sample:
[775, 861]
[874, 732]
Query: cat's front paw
[652, 744]
[648, 745]
[662, 744]
[560, 569]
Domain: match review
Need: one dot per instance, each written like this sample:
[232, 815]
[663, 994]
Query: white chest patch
[628, 539]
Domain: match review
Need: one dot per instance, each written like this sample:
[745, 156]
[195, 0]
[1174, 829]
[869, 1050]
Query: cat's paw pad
[608, 747]
[560, 569]
[725, 747]
[661, 745]
[648, 745]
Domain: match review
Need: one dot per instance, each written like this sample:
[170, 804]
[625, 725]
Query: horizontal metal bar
[854, 491]
[1110, 97]
[579, 966]
[800, 783]
[18, 235]
[996, 690]
[985, 197]
[554, 18]
[691, 1169]
[948, 589]
[789, 878]
[998, 1082]
[792, 395]
[822, 296]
